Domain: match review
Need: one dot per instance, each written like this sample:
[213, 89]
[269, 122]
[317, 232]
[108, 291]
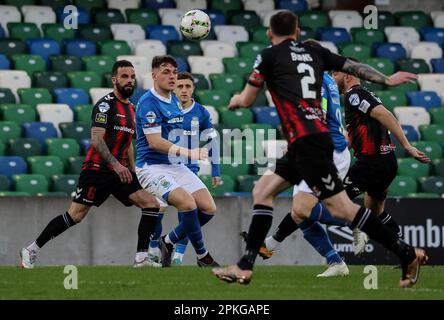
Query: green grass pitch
[189, 282]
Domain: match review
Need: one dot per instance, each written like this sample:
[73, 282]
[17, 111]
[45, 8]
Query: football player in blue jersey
[196, 125]
[159, 164]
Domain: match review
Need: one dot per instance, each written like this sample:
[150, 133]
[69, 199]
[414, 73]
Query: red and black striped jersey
[367, 135]
[293, 72]
[118, 120]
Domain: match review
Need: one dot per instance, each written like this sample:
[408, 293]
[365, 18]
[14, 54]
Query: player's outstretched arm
[366, 72]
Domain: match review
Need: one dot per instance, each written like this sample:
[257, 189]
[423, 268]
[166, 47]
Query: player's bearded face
[339, 78]
[126, 82]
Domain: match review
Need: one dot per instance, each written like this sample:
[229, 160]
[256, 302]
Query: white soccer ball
[195, 25]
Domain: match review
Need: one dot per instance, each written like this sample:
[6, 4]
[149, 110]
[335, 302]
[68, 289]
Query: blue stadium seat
[391, 51]
[217, 17]
[40, 131]
[44, 48]
[136, 95]
[266, 115]
[158, 4]
[5, 64]
[335, 35]
[182, 64]
[426, 99]
[433, 34]
[10, 165]
[83, 17]
[84, 145]
[437, 65]
[162, 33]
[80, 48]
[293, 5]
[410, 132]
[71, 96]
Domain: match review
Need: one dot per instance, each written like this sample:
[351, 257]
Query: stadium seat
[9, 14]
[260, 130]
[183, 49]
[266, 115]
[368, 37]
[226, 5]
[215, 98]
[438, 167]
[432, 185]
[30, 183]
[142, 17]
[200, 82]
[249, 19]
[123, 5]
[141, 66]
[11, 165]
[235, 119]
[335, 35]
[258, 5]
[415, 19]
[432, 149]
[432, 132]
[44, 48]
[249, 50]
[227, 185]
[260, 35]
[98, 64]
[55, 114]
[45, 165]
[14, 79]
[214, 115]
[75, 130]
[414, 116]
[391, 99]
[63, 148]
[410, 132]
[231, 34]
[38, 15]
[39, 130]
[218, 49]
[246, 183]
[83, 113]
[150, 49]
[402, 186]
[114, 48]
[345, 19]
[6, 96]
[205, 65]
[9, 130]
[217, 17]
[98, 93]
[356, 50]
[80, 48]
[426, 99]
[23, 31]
[71, 96]
[391, 51]
[5, 64]
[129, 32]
[238, 66]
[24, 147]
[423, 195]
[90, 4]
[58, 32]
[84, 145]
[383, 65]
[18, 113]
[431, 82]
[230, 168]
[65, 183]
[83, 15]
[412, 168]
[437, 65]
[163, 33]
[406, 87]
[426, 51]
[4, 183]
[224, 81]
[171, 17]
[65, 64]
[182, 65]
[437, 115]
[186, 5]
[96, 33]
[413, 65]
[330, 46]
[2, 149]
[29, 63]
[240, 151]
[403, 35]
[106, 17]
[75, 165]
[34, 96]
[433, 35]
[9, 47]
[85, 80]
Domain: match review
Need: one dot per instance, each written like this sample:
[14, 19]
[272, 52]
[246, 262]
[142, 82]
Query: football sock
[320, 213]
[285, 228]
[191, 227]
[204, 218]
[388, 221]
[154, 242]
[147, 224]
[55, 227]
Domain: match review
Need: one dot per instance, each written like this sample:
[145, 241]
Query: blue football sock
[204, 218]
[191, 227]
[321, 214]
[154, 241]
[315, 234]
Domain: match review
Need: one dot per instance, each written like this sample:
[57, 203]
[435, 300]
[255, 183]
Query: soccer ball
[195, 25]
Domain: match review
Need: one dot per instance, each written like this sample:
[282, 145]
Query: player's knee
[259, 195]
[300, 211]
[148, 201]
[297, 217]
[209, 208]
[78, 215]
[187, 204]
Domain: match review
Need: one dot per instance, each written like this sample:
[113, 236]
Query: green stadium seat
[200, 82]
[65, 64]
[383, 65]
[413, 65]
[367, 36]
[239, 66]
[261, 130]
[29, 63]
[406, 87]
[385, 19]
[65, 183]
[107, 17]
[99, 64]
[57, 32]
[45, 165]
[432, 132]
[391, 99]
[249, 50]
[227, 185]
[432, 185]
[9, 130]
[75, 130]
[423, 195]
[306, 33]
[261, 99]
[108, 81]
[83, 113]
[402, 186]
[63, 148]
[224, 81]
[19, 113]
[50, 80]
[260, 36]
[437, 115]
[90, 4]
[85, 80]
[415, 19]
[313, 19]
[246, 183]
[30, 183]
[143, 17]
[215, 98]
[114, 48]
[9, 47]
[75, 165]
[4, 183]
[226, 5]
[431, 148]
[24, 147]
[6, 96]
[356, 50]
[2, 149]
[438, 167]
[52, 194]
[235, 119]
[184, 49]
[241, 151]
[34, 96]
[233, 169]
[20, 3]
[23, 31]
[412, 168]
[246, 18]
[96, 33]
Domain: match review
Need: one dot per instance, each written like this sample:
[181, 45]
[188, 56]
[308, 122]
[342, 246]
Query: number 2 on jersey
[307, 80]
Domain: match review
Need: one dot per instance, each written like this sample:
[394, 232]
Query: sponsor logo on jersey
[354, 99]
[150, 117]
[101, 118]
[120, 115]
[123, 128]
[104, 107]
[175, 120]
[364, 106]
[195, 122]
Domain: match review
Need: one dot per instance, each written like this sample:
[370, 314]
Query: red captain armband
[256, 79]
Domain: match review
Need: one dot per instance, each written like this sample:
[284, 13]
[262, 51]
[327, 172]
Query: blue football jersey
[157, 114]
[332, 107]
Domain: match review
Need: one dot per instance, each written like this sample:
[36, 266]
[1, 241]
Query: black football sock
[285, 228]
[388, 221]
[55, 227]
[147, 224]
[260, 224]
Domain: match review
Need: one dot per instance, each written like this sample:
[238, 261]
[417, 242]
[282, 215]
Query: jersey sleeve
[332, 61]
[101, 115]
[260, 70]
[362, 101]
[206, 124]
[149, 117]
